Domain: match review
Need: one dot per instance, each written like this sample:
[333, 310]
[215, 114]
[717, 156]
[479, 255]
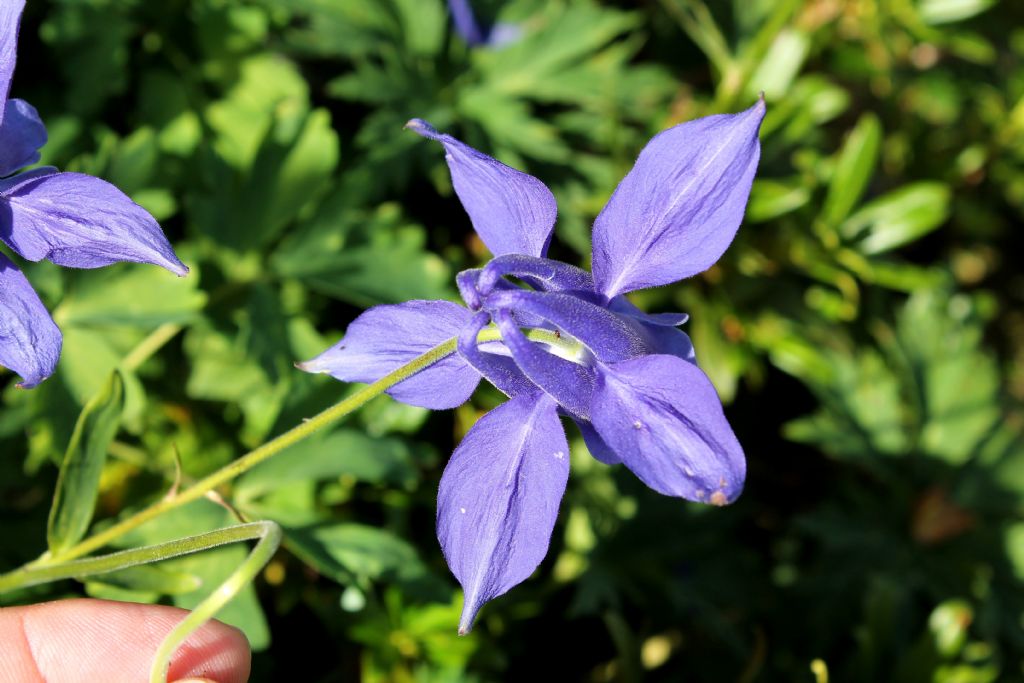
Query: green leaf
[150, 579]
[347, 552]
[899, 217]
[267, 86]
[854, 166]
[565, 35]
[773, 198]
[352, 28]
[137, 295]
[291, 169]
[363, 259]
[343, 453]
[79, 479]
[948, 11]
[423, 25]
[781, 65]
[243, 366]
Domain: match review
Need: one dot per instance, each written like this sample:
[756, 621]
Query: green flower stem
[246, 462]
[269, 535]
[76, 569]
[150, 345]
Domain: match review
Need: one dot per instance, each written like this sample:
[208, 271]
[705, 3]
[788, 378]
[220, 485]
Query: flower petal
[465, 22]
[542, 273]
[662, 416]
[621, 304]
[83, 222]
[29, 340]
[499, 370]
[569, 383]
[601, 451]
[384, 338]
[676, 212]
[499, 496]
[611, 337]
[16, 181]
[512, 212]
[10, 20]
[22, 133]
[659, 329]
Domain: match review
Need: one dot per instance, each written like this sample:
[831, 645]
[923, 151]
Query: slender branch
[76, 569]
[153, 342]
[246, 462]
[254, 457]
[269, 534]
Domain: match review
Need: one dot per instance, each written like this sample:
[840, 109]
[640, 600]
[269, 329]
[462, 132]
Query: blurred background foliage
[865, 329]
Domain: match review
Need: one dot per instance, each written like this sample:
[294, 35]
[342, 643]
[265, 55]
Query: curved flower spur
[71, 219]
[570, 344]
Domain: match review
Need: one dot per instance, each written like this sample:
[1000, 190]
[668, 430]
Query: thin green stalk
[123, 559]
[153, 342]
[254, 457]
[246, 462]
[269, 535]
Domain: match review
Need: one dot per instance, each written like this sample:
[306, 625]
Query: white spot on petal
[559, 455]
[638, 425]
[462, 510]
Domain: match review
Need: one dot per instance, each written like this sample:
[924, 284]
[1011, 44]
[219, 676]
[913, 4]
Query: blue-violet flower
[70, 219]
[628, 379]
[476, 33]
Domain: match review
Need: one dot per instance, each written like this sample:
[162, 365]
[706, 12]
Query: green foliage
[79, 479]
[866, 328]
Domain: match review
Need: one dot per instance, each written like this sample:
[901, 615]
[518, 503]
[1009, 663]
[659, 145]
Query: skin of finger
[101, 640]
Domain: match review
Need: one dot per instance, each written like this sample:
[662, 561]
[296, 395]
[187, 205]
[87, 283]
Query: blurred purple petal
[22, 133]
[10, 20]
[662, 416]
[465, 22]
[512, 212]
[499, 497]
[83, 222]
[29, 340]
[384, 338]
[569, 383]
[678, 210]
[504, 33]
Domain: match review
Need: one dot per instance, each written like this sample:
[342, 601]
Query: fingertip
[86, 639]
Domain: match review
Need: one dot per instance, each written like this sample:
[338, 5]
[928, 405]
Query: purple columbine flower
[571, 344]
[474, 33]
[70, 219]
